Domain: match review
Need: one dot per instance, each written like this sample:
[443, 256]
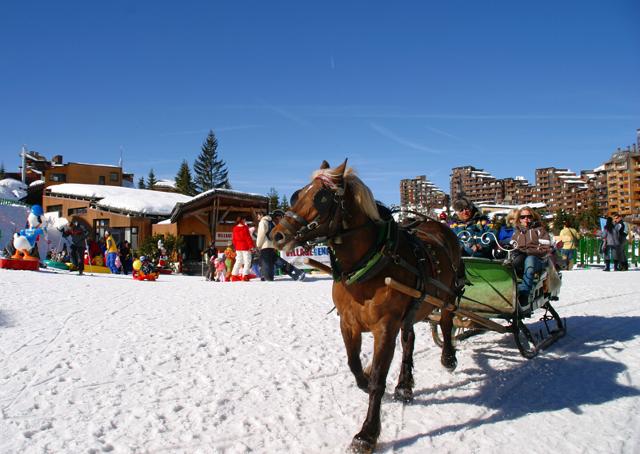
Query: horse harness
[329, 202]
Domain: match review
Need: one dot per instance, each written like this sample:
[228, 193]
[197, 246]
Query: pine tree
[151, 180]
[2, 171]
[184, 182]
[210, 171]
[274, 199]
[141, 183]
[284, 204]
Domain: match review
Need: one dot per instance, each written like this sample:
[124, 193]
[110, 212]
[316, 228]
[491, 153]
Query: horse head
[315, 210]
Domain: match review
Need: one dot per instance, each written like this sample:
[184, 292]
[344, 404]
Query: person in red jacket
[243, 243]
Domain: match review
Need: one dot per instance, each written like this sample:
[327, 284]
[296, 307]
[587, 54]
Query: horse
[366, 245]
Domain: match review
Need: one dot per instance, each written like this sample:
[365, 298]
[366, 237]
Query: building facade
[623, 183]
[420, 195]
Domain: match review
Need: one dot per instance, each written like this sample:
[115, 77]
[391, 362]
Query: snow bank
[12, 189]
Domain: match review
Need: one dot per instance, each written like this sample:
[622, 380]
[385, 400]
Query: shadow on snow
[568, 380]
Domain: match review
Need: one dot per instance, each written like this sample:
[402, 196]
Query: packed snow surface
[11, 189]
[104, 363]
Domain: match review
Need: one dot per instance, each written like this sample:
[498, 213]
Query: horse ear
[324, 165]
[342, 168]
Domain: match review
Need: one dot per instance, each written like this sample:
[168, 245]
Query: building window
[131, 235]
[54, 208]
[113, 176]
[76, 211]
[99, 227]
[58, 177]
[101, 179]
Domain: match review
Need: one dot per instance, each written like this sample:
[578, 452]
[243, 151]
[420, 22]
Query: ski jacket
[264, 230]
[78, 236]
[241, 237]
[569, 237]
[534, 240]
[471, 232]
[111, 245]
[611, 238]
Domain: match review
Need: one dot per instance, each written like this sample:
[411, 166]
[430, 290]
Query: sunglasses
[526, 216]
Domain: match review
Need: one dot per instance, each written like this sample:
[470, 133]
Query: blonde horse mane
[361, 192]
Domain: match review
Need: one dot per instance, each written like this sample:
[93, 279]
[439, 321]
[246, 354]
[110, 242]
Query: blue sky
[400, 88]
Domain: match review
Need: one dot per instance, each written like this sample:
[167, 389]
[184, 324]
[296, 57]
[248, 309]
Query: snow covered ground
[107, 364]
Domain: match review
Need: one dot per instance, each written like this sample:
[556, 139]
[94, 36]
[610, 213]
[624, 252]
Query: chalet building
[210, 217]
[420, 195]
[76, 172]
[127, 213]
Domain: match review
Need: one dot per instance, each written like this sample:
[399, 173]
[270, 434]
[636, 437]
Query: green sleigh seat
[491, 288]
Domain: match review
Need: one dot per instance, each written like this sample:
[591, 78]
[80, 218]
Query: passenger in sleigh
[532, 245]
[469, 226]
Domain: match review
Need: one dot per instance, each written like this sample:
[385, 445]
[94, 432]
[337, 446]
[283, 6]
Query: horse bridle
[329, 205]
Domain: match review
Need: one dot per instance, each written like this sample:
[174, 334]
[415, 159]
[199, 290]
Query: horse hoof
[404, 395]
[450, 363]
[361, 445]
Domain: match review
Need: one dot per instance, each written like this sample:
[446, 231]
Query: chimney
[57, 159]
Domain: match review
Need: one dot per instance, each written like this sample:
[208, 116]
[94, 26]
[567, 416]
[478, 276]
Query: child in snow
[221, 269]
[230, 258]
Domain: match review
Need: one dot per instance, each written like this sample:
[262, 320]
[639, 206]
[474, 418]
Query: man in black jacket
[78, 234]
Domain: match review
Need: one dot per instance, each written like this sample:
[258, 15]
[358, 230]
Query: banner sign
[296, 256]
[222, 238]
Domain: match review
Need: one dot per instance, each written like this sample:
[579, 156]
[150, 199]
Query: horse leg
[448, 358]
[404, 389]
[384, 345]
[352, 338]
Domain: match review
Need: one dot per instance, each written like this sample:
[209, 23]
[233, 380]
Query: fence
[12, 202]
[590, 252]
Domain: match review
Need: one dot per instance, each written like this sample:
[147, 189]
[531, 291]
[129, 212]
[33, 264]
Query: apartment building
[623, 183]
[476, 184]
[517, 191]
[421, 195]
[561, 189]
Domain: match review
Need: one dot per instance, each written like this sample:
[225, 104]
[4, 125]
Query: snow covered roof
[142, 201]
[36, 183]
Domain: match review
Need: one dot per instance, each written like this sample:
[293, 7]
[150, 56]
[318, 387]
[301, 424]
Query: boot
[616, 265]
[606, 265]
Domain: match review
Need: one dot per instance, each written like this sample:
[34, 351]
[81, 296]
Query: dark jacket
[78, 235]
[471, 232]
[532, 241]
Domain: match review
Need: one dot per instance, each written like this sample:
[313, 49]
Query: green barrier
[590, 252]
[13, 202]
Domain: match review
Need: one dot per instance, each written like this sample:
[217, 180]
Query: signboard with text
[296, 256]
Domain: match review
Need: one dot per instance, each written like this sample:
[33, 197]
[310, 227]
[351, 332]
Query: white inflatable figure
[25, 240]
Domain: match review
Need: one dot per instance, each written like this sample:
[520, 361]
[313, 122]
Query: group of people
[523, 233]
[251, 253]
[531, 244]
[82, 251]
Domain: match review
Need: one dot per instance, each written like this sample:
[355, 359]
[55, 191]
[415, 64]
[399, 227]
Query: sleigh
[490, 303]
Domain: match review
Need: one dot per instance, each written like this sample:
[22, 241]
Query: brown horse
[367, 246]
